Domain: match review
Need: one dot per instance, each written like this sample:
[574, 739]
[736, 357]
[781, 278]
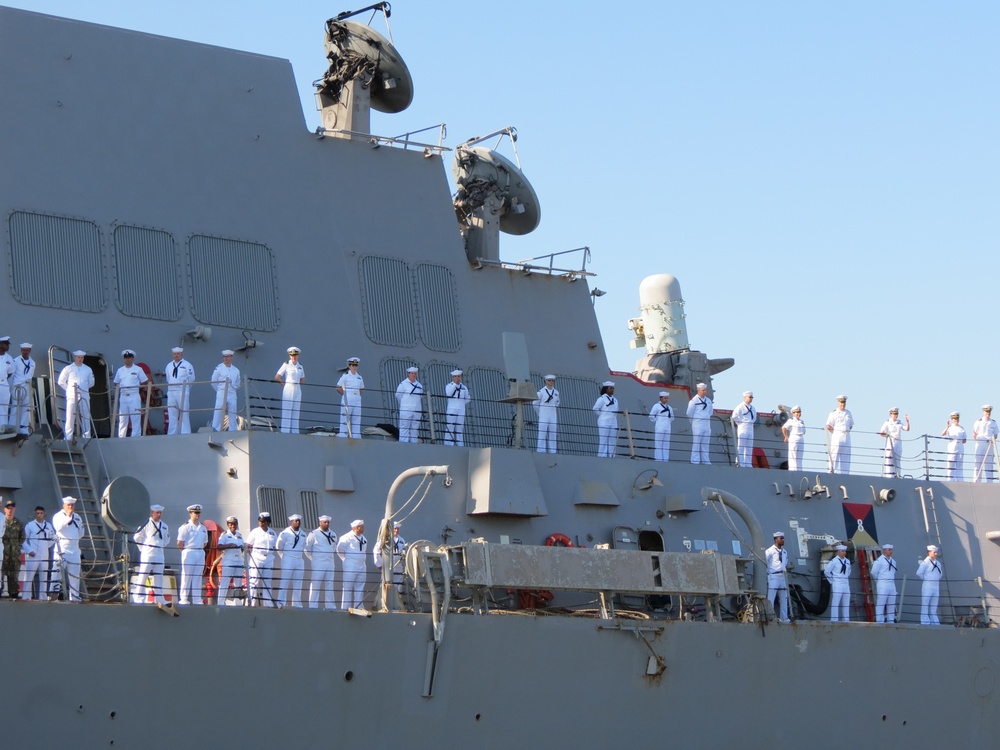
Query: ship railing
[403, 141]
[154, 412]
[528, 266]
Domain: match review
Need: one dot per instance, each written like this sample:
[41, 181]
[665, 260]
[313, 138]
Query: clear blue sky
[823, 178]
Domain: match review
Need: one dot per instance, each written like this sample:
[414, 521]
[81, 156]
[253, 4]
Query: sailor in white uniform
[743, 419]
[930, 572]
[353, 556]
[321, 549]
[458, 397]
[261, 542]
[76, 380]
[956, 435]
[39, 538]
[839, 424]
[662, 417]
[398, 546]
[984, 435]
[192, 538]
[776, 559]
[606, 407]
[699, 411]
[226, 382]
[291, 546]
[69, 530]
[128, 378]
[884, 575]
[838, 573]
[179, 375]
[151, 539]
[794, 432]
[409, 394]
[547, 406]
[292, 375]
[231, 545]
[892, 430]
[6, 372]
[350, 387]
[20, 389]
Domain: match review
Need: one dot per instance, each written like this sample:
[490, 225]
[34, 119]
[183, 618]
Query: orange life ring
[558, 540]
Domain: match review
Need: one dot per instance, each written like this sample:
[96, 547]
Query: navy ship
[159, 193]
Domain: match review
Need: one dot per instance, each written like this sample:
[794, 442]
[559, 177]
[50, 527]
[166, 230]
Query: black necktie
[27, 366]
[843, 567]
[177, 366]
[550, 396]
[159, 529]
[296, 542]
[329, 538]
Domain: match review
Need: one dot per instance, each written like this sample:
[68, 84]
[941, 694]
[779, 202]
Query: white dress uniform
[195, 538]
[547, 406]
[230, 564]
[179, 377]
[69, 531]
[743, 419]
[796, 443]
[410, 397]
[77, 380]
[606, 407]
[842, 423]
[292, 374]
[351, 549]
[291, 546]
[699, 411]
[350, 405]
[38, 538]
[662, 417]
[776, 559]
[398, 548]
[984, 434]
[6, 372]
[226, 382]
[20, 393]
[930, 572]
[321, 549]
[893, 430]
[956, 435]
[458, 398]
[128, 380]
[151, 539]
[261, 566]
[884, 574]
[838, 573]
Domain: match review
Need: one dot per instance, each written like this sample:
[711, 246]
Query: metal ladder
[72, 476]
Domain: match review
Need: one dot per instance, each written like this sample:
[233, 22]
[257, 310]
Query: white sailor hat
[357, 522]
[26, 345]
[128, 353]
[232, 519]
[796, 408]
[953, 414]
[354, 360]
[325, 518]
[194, 508]
[456, 372]
[69, 500]
[840, 547]
[932, 548]
[79, 353]
[986, 407]
[295, 517]
[177, 350]
[264, 516]
[747, 393]
[158, 508]
[412, 369]
[701, 385]
[664, 394]
[608, 384]
[886, 546]
[550, 376]
[228, 352]
[397, 524]
[894, 410]
[5, 339]
[777, 534]
[294, 350]
[842, 397]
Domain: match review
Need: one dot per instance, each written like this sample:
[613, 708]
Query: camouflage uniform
[13, 538]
